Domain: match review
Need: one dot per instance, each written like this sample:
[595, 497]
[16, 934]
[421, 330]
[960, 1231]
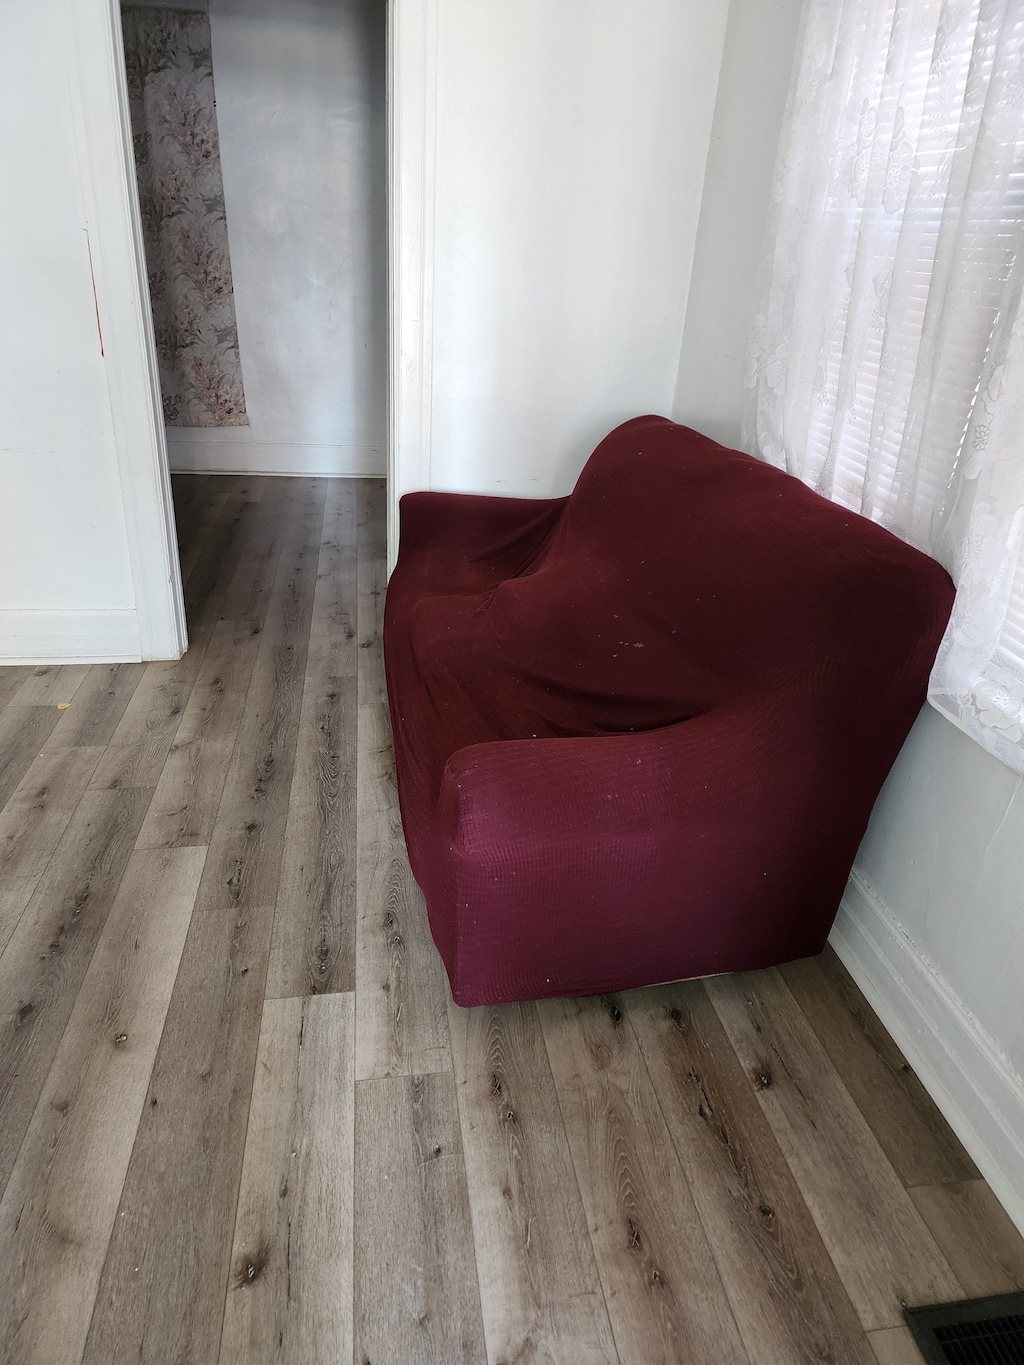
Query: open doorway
[259, 139]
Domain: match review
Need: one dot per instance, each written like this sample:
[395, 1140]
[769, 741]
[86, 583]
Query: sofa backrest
[692, 574]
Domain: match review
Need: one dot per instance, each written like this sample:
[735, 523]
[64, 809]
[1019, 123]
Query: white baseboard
[968, 1076]
[233, 450]
[69, 637]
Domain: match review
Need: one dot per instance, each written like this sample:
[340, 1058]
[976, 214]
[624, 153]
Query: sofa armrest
[719, 844]
[733, 768]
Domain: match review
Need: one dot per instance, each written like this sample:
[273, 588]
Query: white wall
[932, 927]
[760, 45]
[300, 112]
[65, 571]
[571, 141]
[946, 847]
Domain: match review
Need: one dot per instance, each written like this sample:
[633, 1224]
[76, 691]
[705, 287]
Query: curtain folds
[886, 363]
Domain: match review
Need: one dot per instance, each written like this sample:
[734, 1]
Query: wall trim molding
[961, 1066]
[412, 38]
[233, 450]
[70, 637]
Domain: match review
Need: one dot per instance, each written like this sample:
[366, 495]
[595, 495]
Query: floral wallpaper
[177, 155]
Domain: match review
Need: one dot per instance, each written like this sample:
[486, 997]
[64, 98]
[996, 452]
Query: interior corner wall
[66, 584]
[932, 929]
[570, 153]
[760, 46]
[301, 122]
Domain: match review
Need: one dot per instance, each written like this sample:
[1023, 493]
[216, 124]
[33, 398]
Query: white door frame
[99, 93]
[412, 106]
[99, 96]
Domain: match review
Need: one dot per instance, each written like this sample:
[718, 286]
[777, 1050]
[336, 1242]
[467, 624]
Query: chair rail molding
[412, 123]
[98, 92]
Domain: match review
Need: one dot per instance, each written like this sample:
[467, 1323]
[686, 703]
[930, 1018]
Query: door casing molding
[99, 95]
[98, 91]
[412, 37]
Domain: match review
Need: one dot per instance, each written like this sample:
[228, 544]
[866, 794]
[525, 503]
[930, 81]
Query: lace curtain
[887, 352]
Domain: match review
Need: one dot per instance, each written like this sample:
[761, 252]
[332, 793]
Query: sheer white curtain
[978, 679]
[887, 354]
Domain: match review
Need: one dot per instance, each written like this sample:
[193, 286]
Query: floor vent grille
[975, 1332]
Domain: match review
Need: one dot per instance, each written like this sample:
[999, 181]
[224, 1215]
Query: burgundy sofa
[639, 730]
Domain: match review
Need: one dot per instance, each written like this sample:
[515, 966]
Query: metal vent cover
[975, 1332]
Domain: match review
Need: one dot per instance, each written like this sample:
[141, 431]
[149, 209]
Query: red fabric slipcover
[639, 730]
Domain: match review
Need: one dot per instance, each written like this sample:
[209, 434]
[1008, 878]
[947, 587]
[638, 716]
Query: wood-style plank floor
[241, 1121]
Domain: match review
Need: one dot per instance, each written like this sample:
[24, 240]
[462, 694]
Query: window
[889, 343]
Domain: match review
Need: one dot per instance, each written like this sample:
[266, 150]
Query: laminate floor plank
[894, 1346]
[401, 991]
[138, 749]
[290, 1292]
[58, 1210]
[665, 1296]
[416, 1298]
[97, 706]
[249, 591]
[878, 1241]
[142, 741]
[314, 928]
[15, 894]
[23, 732]
[12, 676]
[187, 492]
[231, 936]
[244, 862]
[314, 942]
[47, 957]
[976, 1235]
[372, 547]
[250, 487]
[196, 513]
[161, 1295]
[201, 626]
[788, 1300]
[540, 1292]
[314, 946]
[187, 797]
[35, 817]
[902, 1115]
[333, 640]
[50, 685]
[192, 493]
[208, 583]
